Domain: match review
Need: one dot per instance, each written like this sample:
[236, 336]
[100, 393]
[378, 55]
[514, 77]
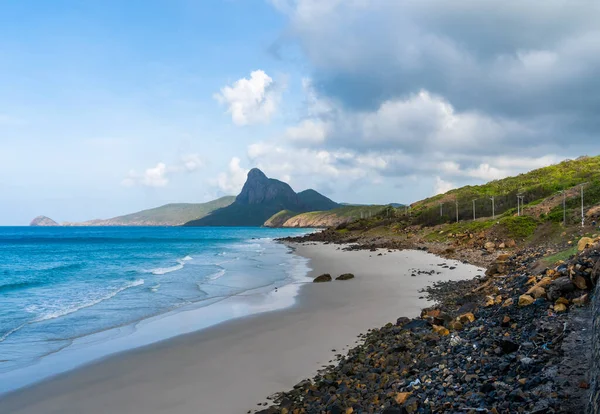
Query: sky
[109, 107]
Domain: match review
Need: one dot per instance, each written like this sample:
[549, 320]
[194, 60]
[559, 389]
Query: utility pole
[456, 202]
[582, 216]
[564, 208]
[473, 209]
[493, 208]
[520, 199]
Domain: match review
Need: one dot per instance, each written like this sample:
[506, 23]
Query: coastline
[232, 366]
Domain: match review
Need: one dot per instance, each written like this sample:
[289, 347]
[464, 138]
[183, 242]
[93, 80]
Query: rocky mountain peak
[260, 189]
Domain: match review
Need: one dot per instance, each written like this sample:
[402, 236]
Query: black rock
[508, 346]
[417, 324]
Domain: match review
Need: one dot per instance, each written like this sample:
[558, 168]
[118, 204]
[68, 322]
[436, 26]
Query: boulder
[537, 292]
[489, 246]
[559, 287]
[345, 276]
[466, 318]
[584, 243]
[580, 282]
[525, 300]
[326, 277]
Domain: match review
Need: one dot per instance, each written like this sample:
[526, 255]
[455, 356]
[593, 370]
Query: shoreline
[249, 357]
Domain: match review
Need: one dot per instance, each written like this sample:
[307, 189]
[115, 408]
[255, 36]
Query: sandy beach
[232, 367]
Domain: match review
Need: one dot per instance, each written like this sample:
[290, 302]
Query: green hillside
[279, 219]
[167, 215]
[534, 186]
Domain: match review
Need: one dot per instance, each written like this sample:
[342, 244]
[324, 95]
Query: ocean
[70, 295]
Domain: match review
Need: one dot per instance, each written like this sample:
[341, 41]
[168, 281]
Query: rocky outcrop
[43, 221]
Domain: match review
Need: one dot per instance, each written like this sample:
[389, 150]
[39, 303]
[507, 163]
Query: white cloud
[442, 186]
[151, 177]
[309, 130]
[250, 101]
[192, 162]
[232, 181]
[157, 176]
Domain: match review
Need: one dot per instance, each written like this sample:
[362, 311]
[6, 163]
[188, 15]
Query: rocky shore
[513, 341]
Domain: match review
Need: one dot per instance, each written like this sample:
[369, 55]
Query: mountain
[330, 218]
[260, 198]
[43, 221]
[316, 201]
[168, 215]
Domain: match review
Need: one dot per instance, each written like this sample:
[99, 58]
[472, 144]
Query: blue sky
[108, 107]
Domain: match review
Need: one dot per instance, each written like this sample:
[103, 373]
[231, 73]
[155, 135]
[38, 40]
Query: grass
[520, 227]
[563, 255]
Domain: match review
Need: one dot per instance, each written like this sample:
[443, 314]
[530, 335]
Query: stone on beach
[345, 276]
[325, 277]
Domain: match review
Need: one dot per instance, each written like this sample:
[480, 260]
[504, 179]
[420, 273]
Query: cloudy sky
[108, 107]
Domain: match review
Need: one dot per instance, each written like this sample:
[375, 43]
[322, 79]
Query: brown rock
[345, 276]
[325, 277]
[507, 303]
[537, 292]
[584, 243]
[560, 307]
[580, 282]
[440, 330]
[489, 246]
[511, 243]
[525, 300]
[581, 300]
[455, 325]
[502, 246]
[401, 397]
[562, 300]
[489, 301]
[466, 318]
[502, 258]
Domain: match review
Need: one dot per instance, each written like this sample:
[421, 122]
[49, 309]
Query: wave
[216, 275]
[165, 270]
[71, 309]
[154, 288]
[19, 285]
[187, 259]
[11, 331]
[75, 308]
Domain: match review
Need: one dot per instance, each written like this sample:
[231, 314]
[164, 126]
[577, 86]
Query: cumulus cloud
[232, 181]
[442, 186]
[503, 66]
[252, 100]
[158, 176]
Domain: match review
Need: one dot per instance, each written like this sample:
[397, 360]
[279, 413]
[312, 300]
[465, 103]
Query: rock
[508, 346]
[489, 246]
[401, 397]
[416, 324]
[326, 277]
[508, 302]
[560, 307]
[537, 292]
[43, 221]
[455, 325]
[505, 321]
[501, 246]
[562, 300]
[525, 300]
[489, 301]
[584, 243]
[580, 282]
[466, 318]
[345, 276]
[440, 330]
[559, 287]
[511, 243]
[503, 258]
[580, 301]
[401, 321]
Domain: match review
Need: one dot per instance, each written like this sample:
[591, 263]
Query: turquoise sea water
[59, 286]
